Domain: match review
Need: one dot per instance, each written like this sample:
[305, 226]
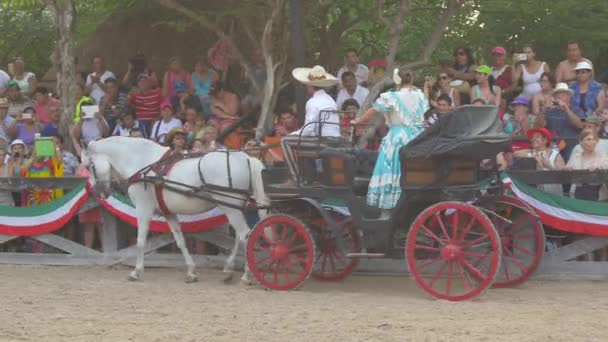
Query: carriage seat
[358, 164]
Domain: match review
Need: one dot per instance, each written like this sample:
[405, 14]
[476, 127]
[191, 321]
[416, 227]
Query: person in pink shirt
[173, 75]
[43, 103]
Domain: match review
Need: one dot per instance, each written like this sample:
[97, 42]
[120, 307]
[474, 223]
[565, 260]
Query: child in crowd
[603, 133]
[165, 124]
[126, 124]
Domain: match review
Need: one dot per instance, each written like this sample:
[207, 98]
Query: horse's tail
[257, 184]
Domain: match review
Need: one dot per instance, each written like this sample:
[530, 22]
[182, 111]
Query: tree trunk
[65, 19]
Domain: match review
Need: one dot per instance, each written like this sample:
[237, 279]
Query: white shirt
[361, 74]
[320, 108]
[124, 132]
[159, 132]
[97, 92]
[360, 95]
[4, 79]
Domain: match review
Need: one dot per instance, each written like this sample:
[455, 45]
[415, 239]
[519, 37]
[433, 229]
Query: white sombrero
[315, 76]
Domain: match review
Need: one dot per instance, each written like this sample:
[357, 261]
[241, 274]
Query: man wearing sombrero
[322, 120]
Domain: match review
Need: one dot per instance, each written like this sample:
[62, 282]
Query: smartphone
[11, 68]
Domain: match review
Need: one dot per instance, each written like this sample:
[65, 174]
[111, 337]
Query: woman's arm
[12, 130]
[536, 104]
[467, 76]
[498, 96]
[546, 67]
[366, 116]
[165, 89]
[456, 98]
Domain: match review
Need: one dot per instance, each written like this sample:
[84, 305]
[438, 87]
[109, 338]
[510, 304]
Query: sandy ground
[98, 304]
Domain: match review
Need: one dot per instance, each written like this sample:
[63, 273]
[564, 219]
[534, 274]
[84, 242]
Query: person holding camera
[529, 72]
[137, 66]
[25, 127]
[95, 80]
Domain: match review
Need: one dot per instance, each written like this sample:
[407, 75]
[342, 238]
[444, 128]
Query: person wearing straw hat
[322, 122]
[176, 140]
[404, 110]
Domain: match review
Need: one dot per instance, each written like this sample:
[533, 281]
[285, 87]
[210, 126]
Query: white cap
[584, 65]
[561, 87]
[17, 142]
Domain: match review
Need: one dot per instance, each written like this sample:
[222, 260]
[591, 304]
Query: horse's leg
[238, 222]
[176, 229]
[143, 224]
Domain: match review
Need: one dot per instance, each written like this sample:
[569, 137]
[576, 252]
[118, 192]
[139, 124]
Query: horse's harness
[156, 173]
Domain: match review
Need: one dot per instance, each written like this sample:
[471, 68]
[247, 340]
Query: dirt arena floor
[98, 304]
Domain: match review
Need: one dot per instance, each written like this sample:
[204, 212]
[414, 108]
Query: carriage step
[365, 255]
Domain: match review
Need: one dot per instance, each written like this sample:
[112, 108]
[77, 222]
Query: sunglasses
[443, 77]
[582, 71]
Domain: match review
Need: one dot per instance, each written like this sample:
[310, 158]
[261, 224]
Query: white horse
[125, 157]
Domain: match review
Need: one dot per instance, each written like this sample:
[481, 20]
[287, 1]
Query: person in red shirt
[146, 100]
[502, 72]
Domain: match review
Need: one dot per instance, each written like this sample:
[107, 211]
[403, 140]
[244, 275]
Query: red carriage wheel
[280, 252]
[331, 262]
[523, 241]
[444, 245]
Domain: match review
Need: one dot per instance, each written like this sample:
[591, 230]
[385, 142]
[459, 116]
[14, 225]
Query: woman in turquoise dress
[403, 110]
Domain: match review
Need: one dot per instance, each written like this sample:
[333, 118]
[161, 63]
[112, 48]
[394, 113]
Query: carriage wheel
[444, 244]
[280, 252]
[331, 262]
[523, 241]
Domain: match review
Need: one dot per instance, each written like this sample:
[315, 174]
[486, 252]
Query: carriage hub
[279, 252]
[451, 251]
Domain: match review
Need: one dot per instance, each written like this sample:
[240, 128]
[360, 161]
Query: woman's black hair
[350, 102]
[468, 52]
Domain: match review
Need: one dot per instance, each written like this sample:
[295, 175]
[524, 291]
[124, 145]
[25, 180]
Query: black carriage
[459, 230]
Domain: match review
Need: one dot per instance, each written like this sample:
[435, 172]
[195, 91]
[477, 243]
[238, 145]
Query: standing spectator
[224, 105]
[203, 78]
[443, 105]
[91, 219]
[17, 102]
[113, 103]
[485, 88]
[585, 90]
[530, 73]
[43, 101]
[6, 198]
[165, 124]
[443, 88]
[138, 66]
[351, 63]
[96, 80]
[560, 119]
[183, 99]
[566, 69]
[146, 100]
[70, 162]
[544, 98]
[81, 100]
[41, 167]
[26, 80]
[287, 123]
[173, 75]
[462, 72]
[88, 130]
[6, 121]
[502, 72]
[4, 79]
[351, 90]
[590, 159]
[52, 128]
[252, 95]
[25, 127]
[126, 124]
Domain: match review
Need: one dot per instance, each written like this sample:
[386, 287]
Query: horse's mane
[100, 146]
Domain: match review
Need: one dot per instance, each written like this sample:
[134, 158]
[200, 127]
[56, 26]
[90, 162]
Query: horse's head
[100, 170]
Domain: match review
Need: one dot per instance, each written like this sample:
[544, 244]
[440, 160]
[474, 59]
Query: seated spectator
[209, 140]
[203, 78]
[442, 85]
[590, 159]
[95, 83]
[585, 90]
[126, 124]
[136, 133]
[501, 71]
[462, 71]
[138, 66]
[183, 100]
[175, 74]
[41, 167]
[88, 130]
[198, 146]
[517, 123]
[70, 162]
[146, 100]
[594, 123]
[287, 123]
[17, 157]
[52, 128]
[544, 99]
[5, 121]
[17, 102]
[193, 124]
[25, 127]
[603, 132]
[485, 88]
[6, 197]
[443, 104]
[560, 119]
[4, 80]
[351, 90]
[349, 110]
[176, 140]
[43, 102]
[547, 158]
[351, 63]
[114, 103]
[165, 124]
[224, 105]
[26, 80]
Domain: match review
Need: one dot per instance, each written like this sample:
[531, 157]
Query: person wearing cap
[176, 140]
[502, 72]
[565, 70]
[530, 73]
[5, 120]
[17, 157]
[560, 118]
[17, 102]
[404, 112]
[485, 88]
[146, 100]
[585, 90]
[96, 80]
[517, 123]
[166, 123]
[322, 121]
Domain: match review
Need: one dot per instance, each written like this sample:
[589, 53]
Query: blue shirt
[49, 130]
[590, 103]
[557, 122]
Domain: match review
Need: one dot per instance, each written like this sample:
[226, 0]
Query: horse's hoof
[133, 277]
[246, 282]
[192, 278]
[228, 278]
